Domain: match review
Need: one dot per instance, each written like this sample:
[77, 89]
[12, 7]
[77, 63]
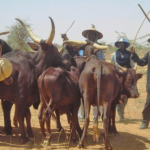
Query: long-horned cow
[100, 84]
[27, 67]
[59, 89]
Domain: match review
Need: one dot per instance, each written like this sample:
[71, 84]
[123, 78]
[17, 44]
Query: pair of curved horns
[3, 33]
[36, 39]
[95, 45]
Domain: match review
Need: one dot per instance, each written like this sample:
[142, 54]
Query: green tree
[18, 36]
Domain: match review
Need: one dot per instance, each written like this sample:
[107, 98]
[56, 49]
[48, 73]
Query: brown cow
[27, 67]
[59, 89]
[99, 84]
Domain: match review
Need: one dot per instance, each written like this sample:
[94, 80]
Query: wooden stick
[144, 12]
[140, 27]
[70, 26]
[2, 33]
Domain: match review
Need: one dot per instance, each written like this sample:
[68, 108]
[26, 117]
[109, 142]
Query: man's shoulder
[113, 54]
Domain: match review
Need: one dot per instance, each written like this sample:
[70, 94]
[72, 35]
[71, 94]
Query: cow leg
[48, 134]
[113, 121]
[58, 124]
[20, 105]
[110, 126]
[107, 107]
[28, 120]
[87, 106]
[79, 130]
[41, 117]
[74, 123]
[48, 112]
[15, 119]
[96, 132]
[6, 107]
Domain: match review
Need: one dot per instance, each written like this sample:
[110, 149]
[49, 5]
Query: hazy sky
[108, 16]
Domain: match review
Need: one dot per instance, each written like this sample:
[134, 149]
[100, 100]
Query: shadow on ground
[124, 141]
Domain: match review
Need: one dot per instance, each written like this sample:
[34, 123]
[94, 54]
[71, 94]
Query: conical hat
[84, 33]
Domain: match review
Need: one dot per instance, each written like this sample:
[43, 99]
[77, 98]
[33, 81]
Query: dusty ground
[130, 138]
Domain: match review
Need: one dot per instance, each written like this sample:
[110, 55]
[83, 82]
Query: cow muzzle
[135, 95]
[8, 81]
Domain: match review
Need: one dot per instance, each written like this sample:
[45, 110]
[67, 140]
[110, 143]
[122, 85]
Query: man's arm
[140, 61]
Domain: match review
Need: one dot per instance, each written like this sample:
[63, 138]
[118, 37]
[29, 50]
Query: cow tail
[48, 111]
[42, 86]
[98, 88]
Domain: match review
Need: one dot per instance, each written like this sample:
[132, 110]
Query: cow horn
[135, 67]
[121, 68]
[71, 42]
[102, 47]
[61, 50]
[95, 45]
[3, 33]
[33, 37]
[52, 34]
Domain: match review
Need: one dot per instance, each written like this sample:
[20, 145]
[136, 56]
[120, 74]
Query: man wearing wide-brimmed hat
[91, 35]
[124, 59]
[143, 62]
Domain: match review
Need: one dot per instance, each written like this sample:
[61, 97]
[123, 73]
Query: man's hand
[132, 50]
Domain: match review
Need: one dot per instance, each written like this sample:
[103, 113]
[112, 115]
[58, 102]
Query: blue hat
[122, 40]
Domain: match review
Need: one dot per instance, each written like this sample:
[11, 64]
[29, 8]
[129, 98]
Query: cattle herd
[57, 82]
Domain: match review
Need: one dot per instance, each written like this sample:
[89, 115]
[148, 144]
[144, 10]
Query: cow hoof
[116, 134]
[60, 129]
[79, 145]
[9, 135]
[31, 139]
[29, 143]
[15, 123]
[46, 143]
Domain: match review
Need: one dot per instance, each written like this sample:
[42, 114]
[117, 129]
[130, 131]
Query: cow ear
[139, 76]
[33, 46]
[120, 73]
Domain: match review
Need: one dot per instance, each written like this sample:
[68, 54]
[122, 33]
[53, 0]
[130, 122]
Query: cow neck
[40, 63]
[48, 58]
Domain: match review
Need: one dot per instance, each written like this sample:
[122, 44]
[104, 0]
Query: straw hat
[6, 68]
[122, 40]
[84, 33]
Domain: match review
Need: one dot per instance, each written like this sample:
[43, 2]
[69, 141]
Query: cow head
[44, 44]
[51, 54]
[129, 82]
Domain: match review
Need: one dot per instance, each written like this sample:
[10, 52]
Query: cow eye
[128, 80]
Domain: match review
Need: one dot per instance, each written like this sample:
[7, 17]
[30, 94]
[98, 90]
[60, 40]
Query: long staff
[70, 26]
[142, 22]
